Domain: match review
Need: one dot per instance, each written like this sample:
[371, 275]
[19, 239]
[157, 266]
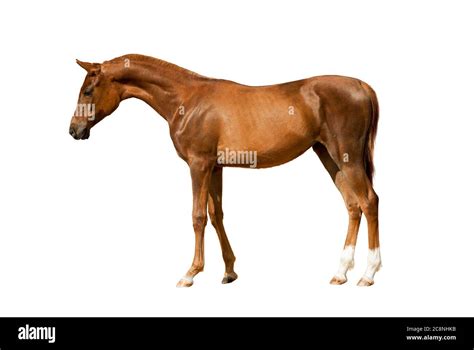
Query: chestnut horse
[216, 123]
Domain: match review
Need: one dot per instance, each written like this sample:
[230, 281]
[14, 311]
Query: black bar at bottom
[377, 333]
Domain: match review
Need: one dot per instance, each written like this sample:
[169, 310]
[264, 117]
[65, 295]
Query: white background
[103, 226]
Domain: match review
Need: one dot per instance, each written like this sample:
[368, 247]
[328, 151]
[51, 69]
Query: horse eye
[88, 92]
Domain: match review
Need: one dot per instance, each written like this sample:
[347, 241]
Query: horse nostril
[72, 132]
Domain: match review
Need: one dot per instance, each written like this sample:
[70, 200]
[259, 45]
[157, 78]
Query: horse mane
[152, 61]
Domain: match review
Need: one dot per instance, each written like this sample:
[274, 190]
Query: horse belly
[270, 139]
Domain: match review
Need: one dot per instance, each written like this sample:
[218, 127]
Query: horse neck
[160, 85]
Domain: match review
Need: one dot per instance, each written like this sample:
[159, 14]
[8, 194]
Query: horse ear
[87, 66]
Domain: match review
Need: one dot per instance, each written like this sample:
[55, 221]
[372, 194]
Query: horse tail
[371, 133]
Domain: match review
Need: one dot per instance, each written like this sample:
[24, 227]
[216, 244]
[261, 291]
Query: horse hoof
[365, 282]
[337, 281]
[185, 282]
[229, 277]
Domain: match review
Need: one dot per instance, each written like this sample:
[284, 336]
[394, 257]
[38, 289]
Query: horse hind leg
[347, 257]
[368, 201]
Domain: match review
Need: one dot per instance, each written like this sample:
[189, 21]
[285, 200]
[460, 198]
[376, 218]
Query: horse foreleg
[216, 215]
[200, 174]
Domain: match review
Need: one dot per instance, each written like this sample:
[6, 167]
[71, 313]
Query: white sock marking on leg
[346, 262]
[374, 262]
[187, 279]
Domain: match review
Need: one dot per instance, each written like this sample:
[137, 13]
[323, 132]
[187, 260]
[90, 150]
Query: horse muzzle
[81, 134]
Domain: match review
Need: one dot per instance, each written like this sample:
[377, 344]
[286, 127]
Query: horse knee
[354, 210]
[370, 206]
[199, 222]
[215, 216]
